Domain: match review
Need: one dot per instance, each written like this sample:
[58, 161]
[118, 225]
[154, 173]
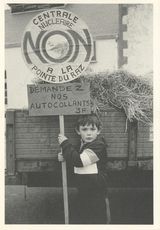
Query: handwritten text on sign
[59, 99]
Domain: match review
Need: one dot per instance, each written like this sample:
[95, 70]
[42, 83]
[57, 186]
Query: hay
[125, 91]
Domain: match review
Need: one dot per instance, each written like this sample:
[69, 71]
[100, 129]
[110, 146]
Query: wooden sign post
[64, 177]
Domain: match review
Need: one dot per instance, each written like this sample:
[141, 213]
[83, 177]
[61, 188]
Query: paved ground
[45, 205]
[41, 205]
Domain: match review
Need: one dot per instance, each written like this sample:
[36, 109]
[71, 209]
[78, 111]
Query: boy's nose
[89, 133]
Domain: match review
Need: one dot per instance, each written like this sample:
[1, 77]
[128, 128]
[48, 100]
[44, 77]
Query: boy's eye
[84, 129]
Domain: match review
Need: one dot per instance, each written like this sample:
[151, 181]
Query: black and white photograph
[80, 125]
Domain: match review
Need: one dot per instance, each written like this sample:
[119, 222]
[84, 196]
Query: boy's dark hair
[91, 119]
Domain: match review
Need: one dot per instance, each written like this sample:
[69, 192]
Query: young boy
[88, 161]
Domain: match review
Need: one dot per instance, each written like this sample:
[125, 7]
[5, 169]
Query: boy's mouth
[88, 138]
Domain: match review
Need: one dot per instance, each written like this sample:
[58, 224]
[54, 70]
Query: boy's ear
[99, 131]
[77, 131]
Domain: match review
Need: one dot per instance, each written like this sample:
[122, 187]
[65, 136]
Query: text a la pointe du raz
[67, 73]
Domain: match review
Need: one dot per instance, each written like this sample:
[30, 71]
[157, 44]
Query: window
[20, 8]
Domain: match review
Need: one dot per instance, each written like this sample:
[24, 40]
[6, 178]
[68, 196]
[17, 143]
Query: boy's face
[88, 133]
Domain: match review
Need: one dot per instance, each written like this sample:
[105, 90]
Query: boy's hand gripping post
[64, 177]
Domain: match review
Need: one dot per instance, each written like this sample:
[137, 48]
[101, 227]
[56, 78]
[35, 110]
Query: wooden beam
[10, 142]
[132, 143]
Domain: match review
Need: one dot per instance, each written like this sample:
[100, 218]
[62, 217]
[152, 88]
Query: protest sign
[57, 46]
[59, 99]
